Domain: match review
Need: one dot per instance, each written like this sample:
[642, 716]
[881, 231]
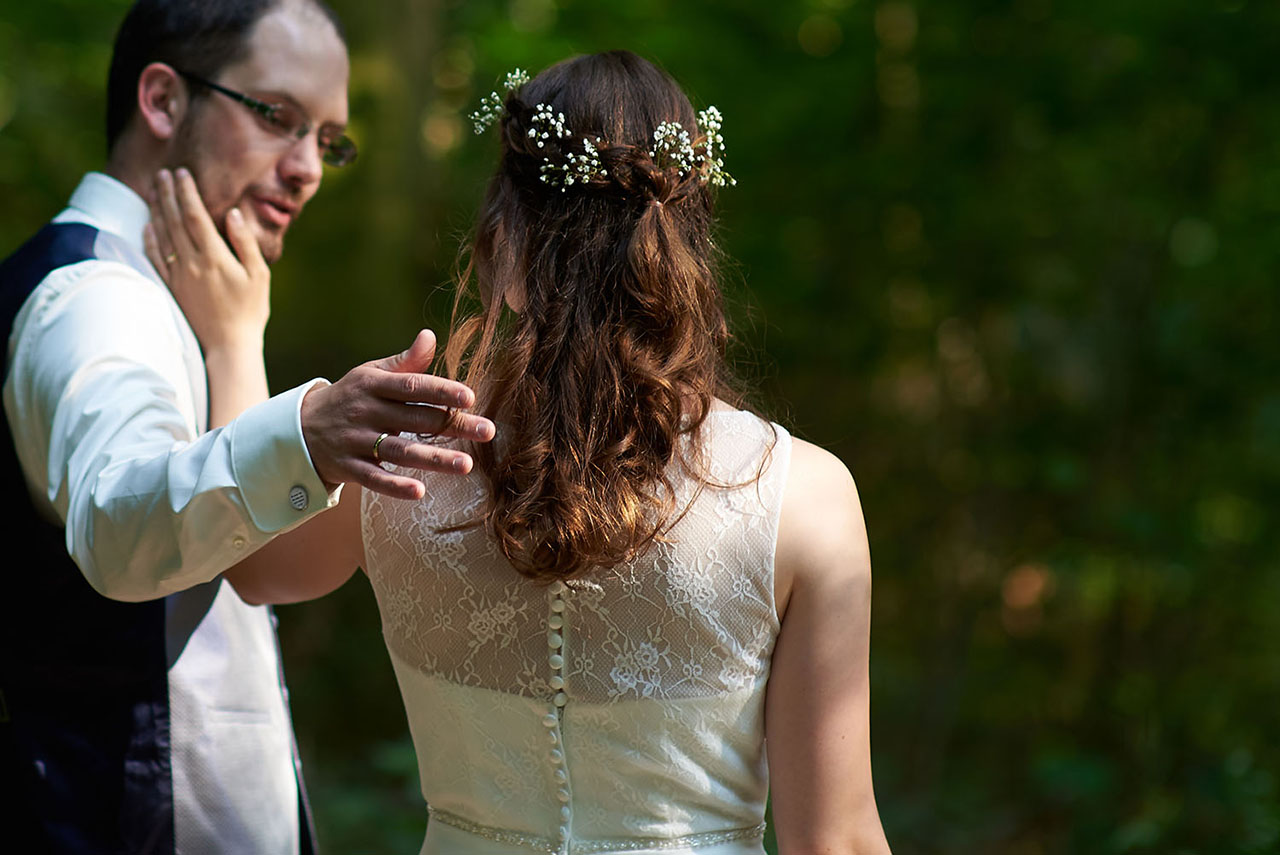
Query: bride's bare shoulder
[822, 538]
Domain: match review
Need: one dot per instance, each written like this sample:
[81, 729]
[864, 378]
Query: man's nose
[301, 165]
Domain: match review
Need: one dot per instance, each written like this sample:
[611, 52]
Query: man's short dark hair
[197, 36]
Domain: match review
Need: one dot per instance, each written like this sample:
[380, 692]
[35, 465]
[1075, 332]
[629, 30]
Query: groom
[142, 707]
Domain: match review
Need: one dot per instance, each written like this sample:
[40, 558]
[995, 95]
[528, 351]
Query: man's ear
[163, 100]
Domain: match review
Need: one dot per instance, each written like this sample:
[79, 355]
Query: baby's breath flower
[710, 121]
[577, 168]
[493, 105]
[516, 79]
[489, 112]
[671, 147]
[546, 123]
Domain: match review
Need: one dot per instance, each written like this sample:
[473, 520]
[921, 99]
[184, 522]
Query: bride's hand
[225, 296]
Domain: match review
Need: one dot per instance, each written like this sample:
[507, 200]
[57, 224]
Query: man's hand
[341, 423]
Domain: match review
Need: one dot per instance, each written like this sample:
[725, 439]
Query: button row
[555, 660]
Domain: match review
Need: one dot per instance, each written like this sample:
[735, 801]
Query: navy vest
[84, 697]
[84, 726]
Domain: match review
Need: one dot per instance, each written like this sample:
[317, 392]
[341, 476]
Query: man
[141, 704]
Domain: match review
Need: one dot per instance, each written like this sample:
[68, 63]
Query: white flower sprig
[577, 168]
[493, 105]
[671, 147]
[545, 123]
[710, 121]
[672, 144]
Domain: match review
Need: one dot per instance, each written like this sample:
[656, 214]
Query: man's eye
[284, 117]
[268, 112]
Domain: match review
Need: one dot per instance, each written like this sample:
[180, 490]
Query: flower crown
[672, 145]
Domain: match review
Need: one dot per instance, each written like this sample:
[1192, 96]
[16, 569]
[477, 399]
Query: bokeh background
[1012, 260]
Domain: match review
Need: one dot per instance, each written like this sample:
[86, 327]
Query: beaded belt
[586, 847]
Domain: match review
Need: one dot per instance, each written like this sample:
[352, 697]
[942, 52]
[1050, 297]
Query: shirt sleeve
[103, 408]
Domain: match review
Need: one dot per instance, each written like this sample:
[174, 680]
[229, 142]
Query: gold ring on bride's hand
[377, 442]
[171, 258]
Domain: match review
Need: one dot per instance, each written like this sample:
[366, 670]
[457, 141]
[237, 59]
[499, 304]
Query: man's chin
[270, 243]
[271, 252]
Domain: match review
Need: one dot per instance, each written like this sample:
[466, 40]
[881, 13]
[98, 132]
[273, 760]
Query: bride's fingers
[160, 232]
[195, 216]
[245, 244]
[152, 248]
[171, 216]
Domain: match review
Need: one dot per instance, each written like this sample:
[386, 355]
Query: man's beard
[186, 153]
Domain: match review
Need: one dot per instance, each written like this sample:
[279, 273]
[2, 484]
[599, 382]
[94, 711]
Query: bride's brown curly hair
[602, 376]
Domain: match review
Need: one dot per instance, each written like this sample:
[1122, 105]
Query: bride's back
[582, 628]
[618, 712]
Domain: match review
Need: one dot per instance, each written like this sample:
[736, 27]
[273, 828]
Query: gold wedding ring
[377, 442]
[171, 258]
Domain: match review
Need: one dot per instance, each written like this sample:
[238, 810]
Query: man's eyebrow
[269, 95]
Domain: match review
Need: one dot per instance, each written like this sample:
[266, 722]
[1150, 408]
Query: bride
[643, 611]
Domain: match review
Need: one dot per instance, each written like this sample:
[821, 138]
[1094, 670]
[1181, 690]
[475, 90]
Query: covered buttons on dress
[555, 663]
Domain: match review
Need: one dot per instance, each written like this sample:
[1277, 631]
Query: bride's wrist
[235, 346]
[235, 358]
[237, 376]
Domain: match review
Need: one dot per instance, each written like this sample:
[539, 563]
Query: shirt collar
[112, 206]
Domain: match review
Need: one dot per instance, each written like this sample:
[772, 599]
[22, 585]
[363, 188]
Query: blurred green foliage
[1010, 259]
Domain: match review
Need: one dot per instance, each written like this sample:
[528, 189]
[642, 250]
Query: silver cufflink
[298, 497]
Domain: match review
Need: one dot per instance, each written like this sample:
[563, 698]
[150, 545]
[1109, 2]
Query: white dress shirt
[108, 401]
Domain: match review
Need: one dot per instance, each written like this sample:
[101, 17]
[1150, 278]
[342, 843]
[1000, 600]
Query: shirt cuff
[272, 466]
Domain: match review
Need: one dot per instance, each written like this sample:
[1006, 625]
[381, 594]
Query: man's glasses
[287, 120]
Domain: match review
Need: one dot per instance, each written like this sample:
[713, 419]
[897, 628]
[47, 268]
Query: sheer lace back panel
[619, 712]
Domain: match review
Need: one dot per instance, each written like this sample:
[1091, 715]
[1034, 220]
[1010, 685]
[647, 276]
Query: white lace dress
[621, 713]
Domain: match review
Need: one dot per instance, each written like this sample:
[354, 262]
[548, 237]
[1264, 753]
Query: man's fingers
[402, 377]
[419, 389]
[463, 426]
[395, 418]
[437, 421]
[341, 423]
[417, 358]
[245, 244]
[403, 451]
[375, 478]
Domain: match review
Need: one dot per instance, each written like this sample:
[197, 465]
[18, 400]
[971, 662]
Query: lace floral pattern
[628, 705]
